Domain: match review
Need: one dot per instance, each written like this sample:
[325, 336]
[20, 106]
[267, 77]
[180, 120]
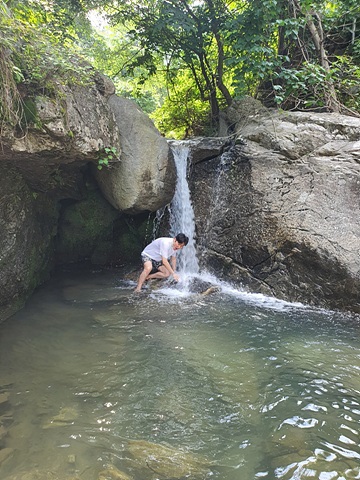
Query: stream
[97, 383]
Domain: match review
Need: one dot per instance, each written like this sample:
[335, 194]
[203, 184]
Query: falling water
[182, 214]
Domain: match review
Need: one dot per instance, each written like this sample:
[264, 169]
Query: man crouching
[155, 258]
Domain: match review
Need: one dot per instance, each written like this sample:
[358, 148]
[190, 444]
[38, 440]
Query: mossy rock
[131, 235]
[83, 226]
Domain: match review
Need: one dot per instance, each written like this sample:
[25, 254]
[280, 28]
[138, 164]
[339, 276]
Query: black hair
[182, 238]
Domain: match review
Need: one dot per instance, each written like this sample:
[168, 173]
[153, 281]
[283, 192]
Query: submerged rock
[36, 474]
[66, 416]
[3, 432]
[208, 291]
[5, 454]
[4, 397]
[113, 473]
[167, 461]
[196, 285]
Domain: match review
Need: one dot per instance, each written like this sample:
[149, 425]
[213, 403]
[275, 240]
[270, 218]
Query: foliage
[285, 53]
[38, 44]
[172, 34]
[116, 55]
[108, 155]
[183, 61]
[10, 101]
[36, 55]
[182, 113]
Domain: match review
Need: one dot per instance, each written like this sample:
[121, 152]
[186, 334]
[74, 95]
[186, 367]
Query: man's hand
[176, 277]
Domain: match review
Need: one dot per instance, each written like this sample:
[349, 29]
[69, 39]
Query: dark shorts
[155, 264]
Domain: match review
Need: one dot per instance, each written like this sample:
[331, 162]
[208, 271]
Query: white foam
[182, 290]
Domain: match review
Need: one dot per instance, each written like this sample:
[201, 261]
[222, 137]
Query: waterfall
[182, 217]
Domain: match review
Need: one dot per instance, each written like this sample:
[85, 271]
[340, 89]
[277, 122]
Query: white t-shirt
[161, 247]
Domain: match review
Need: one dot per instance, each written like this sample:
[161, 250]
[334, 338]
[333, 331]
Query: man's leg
[143, 276]
[161, 273]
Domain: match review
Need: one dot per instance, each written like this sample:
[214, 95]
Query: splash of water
[182, 218]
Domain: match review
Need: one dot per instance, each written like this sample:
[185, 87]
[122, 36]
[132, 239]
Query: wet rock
[133, 275]
[197, 285]
[210, 290]
[166, 461]
[83, 229]
[25, 242]
[202, 148]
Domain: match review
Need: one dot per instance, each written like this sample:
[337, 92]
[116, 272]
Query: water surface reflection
[99, 384]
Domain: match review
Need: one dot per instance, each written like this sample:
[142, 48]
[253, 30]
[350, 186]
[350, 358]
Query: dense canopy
[184, 61]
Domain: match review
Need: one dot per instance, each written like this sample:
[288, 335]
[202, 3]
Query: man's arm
[171, 268]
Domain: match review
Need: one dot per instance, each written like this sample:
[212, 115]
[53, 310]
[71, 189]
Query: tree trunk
[317, 34]
[211, 89]
[220, 71]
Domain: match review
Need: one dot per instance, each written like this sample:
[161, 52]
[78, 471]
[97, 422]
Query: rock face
[144, 178]
[284, 206]
[26, 240]
[45, 166]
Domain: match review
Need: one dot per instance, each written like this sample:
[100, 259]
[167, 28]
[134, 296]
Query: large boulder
[59, 136]
[144, 178]
[280, 211]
